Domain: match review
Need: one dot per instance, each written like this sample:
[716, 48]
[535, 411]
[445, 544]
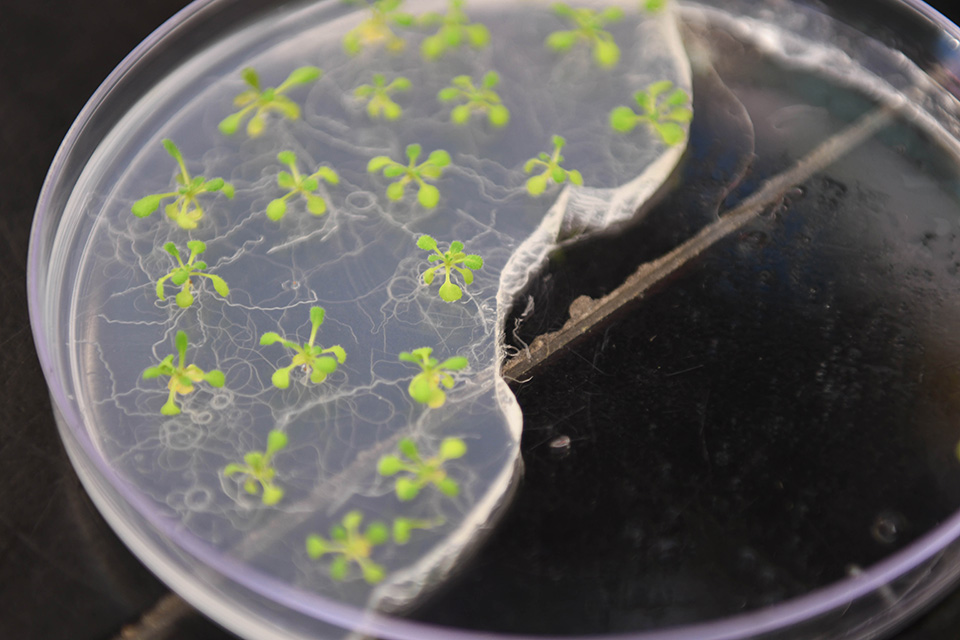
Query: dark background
[63, 574]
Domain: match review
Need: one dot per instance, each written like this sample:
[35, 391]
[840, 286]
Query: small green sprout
[482, 100]
[262, 101]
[589, 28]
[380, 104]
[449, 260]
[306, 186]
[455, 29]
[552, 170]
[432, 169]
[378, 28]
[662, 109]
[309, 355]
[184, 210]
[182, 274]
[182, 376]
[403, 527]
[348, 546]
[258, 473]
[425, 386]
[422, 472]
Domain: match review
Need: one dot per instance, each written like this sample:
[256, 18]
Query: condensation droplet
[560, 446]
[887, 527]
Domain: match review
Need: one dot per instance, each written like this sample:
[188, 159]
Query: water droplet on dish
[887, 527]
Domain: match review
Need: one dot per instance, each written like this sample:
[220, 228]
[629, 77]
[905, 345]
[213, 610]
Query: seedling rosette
[425, 386]
[299, 184]
[662, 109]
[349, 546]
[552, 171]
[379, 102]
[259, 102]
[182, 376]
[455, 31]
[418, 472]
[319, 361]
[258, 472]
[482, 100]
[449, 261]
[183, 274]
[431, 169]
[589, 29]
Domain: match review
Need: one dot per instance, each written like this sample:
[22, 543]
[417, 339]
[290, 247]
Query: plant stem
[587, 314]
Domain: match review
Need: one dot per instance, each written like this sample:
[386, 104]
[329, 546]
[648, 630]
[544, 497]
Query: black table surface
[63, 573]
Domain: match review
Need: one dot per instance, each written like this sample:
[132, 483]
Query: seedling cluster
[260, 102]
[455, 31]
[379, 102]
[425, 386]
[349, 546]
[415, 473]
[449, 261]
[182, 275]
[257, 470]
[588, 28]
[297, 183]
[482, 100]
[182, 376]
[552, 171]
[184, 210]
[662, 109]
[431, 169]
[318, 361]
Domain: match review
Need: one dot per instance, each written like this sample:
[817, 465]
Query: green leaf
[328, 175]
[393, 171]
[676, 98]
[317, 315]
[611, 14]
[421, 389]
[450, 292]
[146, 205]
[172, 149]
[255, 126]
[409, 448]
[644, 101]
[233, 468]
[214, 184]
[316, 546]
[181, 342]
[196, 246]
[272, 494]
[250, 76]
[561, 40]
[679, 114]
[171, 248]
[152, 372]
[270, 337]
[276, 209]
[467, 276]
[537, 185]
[184, 298]
[215, 378]
[325, 365]
[377, 533]
[352, 520]
[378, 163]
[276, 440]
[606, 54]
[401, 84]
[428, 195]
[363, 91]
[575, 177]
[623, 119]
[455, 247]
[281, 378]
[671, 132]
[373, 573]
[170, 408]
[428, 276]
[499, 116]
[287, 107]
[303, 75]
[392, 111]
[473, 261]
[448, 94]
[316, 205]
[338, 568]
[406, 489]
[395, 191]
[478, 34]
[433, 47]
[401, 530]
[456, 363]
[558, 174]
[227, 190]
[287, 157]
[427, 243]
[460, 114]
[413, 151]
[657, 88]
[229, 125]
[250, 486]
[220, 285]
[339, 353]
[491, 79]
[389, 466]
[452, 448]
[562, 10]
[449, 487]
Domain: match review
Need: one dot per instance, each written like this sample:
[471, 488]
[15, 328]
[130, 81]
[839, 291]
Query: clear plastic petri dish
[307, 280]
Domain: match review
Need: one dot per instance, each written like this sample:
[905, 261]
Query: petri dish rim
[93, 469]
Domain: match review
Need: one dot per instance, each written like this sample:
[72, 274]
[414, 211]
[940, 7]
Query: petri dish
[759, 442]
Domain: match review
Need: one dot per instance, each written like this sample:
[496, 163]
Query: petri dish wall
[761, 443]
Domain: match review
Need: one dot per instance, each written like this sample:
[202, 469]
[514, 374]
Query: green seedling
[422, 472]
[449, 260]
[432, 169]
[258, 472]
[589, 28]
[182, 275]
[378, 28]
[297, 183]
[182, 376]
[425, 386]
[318, 361]
[260, 102]
[184, 210]
[403, 527]
[455, 30]
[552, 170]
[348, 546]
[664, 110]
[482, 100]
[380, 104]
